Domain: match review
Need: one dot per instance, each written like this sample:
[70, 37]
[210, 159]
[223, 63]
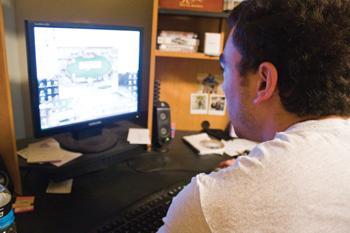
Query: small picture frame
[217, 105]
[199, 103]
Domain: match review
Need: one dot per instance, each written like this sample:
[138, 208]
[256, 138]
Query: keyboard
[145, 215]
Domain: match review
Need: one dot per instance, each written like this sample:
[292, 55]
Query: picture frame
[217, 105]
[199, 103]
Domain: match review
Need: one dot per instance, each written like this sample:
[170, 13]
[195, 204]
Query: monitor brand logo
[95, 123]
[42, 24]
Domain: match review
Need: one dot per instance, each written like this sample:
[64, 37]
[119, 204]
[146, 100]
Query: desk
[100, 195]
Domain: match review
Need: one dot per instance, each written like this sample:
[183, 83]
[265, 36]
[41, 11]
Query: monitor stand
[88, 141]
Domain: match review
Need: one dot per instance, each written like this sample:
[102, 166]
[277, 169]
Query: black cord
[158, 170]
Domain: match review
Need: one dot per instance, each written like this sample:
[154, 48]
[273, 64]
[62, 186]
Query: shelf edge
[159, 53]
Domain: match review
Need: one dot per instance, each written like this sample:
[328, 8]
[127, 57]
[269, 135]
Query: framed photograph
[217, 105]
[199, 103]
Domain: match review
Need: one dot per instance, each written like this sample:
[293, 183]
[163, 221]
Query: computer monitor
[83, 77]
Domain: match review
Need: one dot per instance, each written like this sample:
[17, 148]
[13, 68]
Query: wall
[13, 64]
[115, 12]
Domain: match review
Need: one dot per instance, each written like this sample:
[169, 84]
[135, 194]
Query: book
[193, 5]
[178, 34]
[178, 48]
[177, 40]
[198, 142]
[206, 145]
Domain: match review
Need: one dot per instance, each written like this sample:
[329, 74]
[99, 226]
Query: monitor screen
[82, 75]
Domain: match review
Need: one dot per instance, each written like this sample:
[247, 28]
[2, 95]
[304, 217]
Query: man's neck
[283, 123]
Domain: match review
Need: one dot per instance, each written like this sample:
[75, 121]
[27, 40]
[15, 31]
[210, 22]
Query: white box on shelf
[212, 44]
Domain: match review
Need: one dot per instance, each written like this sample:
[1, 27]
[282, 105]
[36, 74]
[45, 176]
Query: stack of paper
[198, 141]
[178, 41]
[139, 136]
[47, 150]
[205, 145]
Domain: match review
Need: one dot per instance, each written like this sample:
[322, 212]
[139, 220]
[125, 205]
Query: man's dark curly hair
[309, 43]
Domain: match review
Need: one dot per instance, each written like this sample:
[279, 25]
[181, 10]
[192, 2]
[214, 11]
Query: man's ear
[267, 83]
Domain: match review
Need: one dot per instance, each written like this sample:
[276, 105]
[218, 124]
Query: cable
[161, 169]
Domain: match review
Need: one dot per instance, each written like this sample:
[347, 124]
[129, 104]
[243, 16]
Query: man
[286, 67]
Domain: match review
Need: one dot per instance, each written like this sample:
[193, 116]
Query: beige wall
[115, 12]
[13, 64]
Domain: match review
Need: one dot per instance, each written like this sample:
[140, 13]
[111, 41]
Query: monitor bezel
[33, 80]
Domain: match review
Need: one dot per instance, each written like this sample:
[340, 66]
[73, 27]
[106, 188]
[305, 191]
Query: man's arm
[185, 214]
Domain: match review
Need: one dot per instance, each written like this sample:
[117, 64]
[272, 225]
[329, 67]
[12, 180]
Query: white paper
[238, 146]
[62, 187]
[195, 141]
[65, 156]
[46, 143]
[138, 136]
[44, 151]
[23, 153]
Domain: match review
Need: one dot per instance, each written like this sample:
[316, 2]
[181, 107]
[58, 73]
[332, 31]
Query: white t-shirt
[298, 182]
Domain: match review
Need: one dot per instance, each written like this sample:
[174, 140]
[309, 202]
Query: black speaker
[5, 179]
[161, 125]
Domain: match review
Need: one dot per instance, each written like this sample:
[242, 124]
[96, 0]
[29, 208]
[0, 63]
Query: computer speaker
[5, 179]
[161, 125]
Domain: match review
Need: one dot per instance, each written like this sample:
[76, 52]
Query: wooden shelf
[194, 13]
[178, 71]
[202, 56]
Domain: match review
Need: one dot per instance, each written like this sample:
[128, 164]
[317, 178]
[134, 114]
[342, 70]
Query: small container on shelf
[212, 44]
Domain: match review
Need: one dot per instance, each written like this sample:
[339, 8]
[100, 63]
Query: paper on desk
[237, 146]
[62, 187]
[195, 141]
[66, 156]
[23, 153]
[44, 151]
[138, 136]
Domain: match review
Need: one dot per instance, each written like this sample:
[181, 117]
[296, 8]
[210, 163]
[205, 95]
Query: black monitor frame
[33, 81]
